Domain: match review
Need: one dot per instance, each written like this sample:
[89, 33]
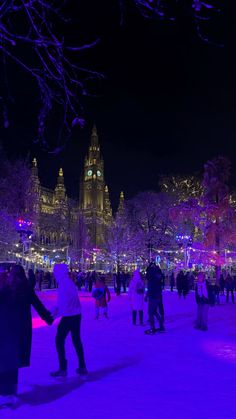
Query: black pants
[70, 324]
[154, 306]
[232, 295]
[134, 316]
[8, 382]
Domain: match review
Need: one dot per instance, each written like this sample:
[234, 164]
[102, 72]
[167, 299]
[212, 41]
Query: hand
[50, 319]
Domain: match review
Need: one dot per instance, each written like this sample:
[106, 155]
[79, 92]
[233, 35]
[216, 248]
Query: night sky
[167, 103]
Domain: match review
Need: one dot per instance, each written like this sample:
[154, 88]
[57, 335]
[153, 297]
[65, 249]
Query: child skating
[102, 296]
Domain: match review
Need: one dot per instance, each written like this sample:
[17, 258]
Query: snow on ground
[183, 373]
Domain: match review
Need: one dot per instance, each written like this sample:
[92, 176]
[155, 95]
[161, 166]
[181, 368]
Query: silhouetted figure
[118, 283]
[16, 298]
[172, 281]
[204, 298]
[154, 297]
[31, 278]
[124, 280]
[229, 285]
[222, 284]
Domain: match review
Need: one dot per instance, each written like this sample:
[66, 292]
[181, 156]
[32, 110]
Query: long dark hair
[17, 281]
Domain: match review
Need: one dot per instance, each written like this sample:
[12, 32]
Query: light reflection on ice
[222, 350]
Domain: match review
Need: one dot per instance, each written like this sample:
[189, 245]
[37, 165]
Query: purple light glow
[223, 350]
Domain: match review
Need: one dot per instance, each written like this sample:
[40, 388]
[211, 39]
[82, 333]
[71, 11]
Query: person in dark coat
[204, 298]
[31, 278]
[172, 281]
[229, 285]
[154, 298]
[16, 298]
[118, 283]
[48, 279]
[182, 284]
[222, 284]
[124, 280]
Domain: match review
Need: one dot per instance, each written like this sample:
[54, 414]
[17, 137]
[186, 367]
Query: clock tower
[94, 193]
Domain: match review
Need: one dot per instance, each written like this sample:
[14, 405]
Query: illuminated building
[57, 214]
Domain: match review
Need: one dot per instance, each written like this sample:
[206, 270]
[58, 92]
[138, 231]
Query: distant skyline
[167, 104]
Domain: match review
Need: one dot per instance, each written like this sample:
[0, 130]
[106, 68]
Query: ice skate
[82, 372]
[59, 373]
[151, 331]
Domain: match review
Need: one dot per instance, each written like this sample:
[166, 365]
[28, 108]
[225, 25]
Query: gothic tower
[60, 198]
[94, 198]
[35, 184]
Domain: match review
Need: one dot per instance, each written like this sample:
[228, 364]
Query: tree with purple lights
[212, 215]
[181, 187]
[119, 240]
[32, 38]
[220, 228]
[16, 200]
[148, 214]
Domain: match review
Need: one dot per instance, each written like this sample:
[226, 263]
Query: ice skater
[102, 296]
[154, 298]
[16, 298]
[69, 308]
[204, 298]
[136, 296]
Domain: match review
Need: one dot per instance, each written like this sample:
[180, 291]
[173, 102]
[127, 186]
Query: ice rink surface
[183, 373]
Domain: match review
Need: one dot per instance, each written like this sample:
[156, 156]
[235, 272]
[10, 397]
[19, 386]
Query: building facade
[57, 215]
[94, 196]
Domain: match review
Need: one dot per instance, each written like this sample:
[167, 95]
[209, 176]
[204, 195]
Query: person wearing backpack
[136, 296]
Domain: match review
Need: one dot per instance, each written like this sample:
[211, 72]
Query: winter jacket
[136, 294]
[154, 278]
[68, 303]
[208, 299]
[101, 294]
[16, 327]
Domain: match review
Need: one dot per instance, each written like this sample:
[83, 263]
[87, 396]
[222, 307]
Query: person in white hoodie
[136, 296]
[68, 307]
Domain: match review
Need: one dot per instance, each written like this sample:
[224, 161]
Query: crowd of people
[17, 295]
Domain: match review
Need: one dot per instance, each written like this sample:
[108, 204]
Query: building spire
[107, 204]
[35, 185]
[60, 190]
[121, 203]
[94, 136]
[34, 168]
[60, 178]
